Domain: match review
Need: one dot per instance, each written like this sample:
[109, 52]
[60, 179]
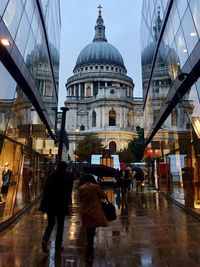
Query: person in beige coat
[92, 216]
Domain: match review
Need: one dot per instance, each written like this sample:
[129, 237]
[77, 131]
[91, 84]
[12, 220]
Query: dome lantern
[99, 29]
[99, 51]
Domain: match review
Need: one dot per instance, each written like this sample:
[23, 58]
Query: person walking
[55, 201]
[92, 216]
[139, 177]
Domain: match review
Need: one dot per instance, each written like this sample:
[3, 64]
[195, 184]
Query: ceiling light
[193, 34]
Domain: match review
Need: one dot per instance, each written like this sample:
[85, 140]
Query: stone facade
[100, 96]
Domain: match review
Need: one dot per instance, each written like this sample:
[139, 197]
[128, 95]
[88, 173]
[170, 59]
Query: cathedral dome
[99, 51]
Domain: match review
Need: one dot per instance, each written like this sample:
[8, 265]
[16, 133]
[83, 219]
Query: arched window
[112, 147]
[112, 118]
[93, 119]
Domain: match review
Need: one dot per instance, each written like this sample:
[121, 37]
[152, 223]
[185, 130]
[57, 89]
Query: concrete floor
[149, 231]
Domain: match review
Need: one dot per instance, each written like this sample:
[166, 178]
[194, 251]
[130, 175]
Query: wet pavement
[149, 231]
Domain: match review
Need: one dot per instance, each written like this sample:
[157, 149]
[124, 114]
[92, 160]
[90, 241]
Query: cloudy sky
[122, 21]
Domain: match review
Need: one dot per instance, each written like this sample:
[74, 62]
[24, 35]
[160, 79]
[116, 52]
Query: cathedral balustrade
[103, 75]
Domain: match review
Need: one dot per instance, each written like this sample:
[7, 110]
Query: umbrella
[100, 170]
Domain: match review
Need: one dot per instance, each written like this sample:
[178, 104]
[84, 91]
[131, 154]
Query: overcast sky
[122, 21]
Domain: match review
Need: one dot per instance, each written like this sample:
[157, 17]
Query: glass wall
[170, 72]
[29, 71]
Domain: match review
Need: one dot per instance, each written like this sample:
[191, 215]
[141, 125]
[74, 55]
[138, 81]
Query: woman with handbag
[92, 215]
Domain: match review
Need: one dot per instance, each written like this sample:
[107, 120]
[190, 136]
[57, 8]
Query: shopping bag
[109, 210]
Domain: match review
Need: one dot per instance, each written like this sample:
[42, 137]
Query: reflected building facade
[29, 70]
[170, 32]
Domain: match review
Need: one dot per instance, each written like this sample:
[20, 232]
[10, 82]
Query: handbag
[109, 210]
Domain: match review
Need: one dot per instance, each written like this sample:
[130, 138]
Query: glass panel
[22, 34]
[172, 62]
[175, 18]
[12, 15]
[2, 6]
[181, 6]
[195, 9]
[7, 91]
[169, 33]
[189, 31]
[35, 22]
[198, 88]
[30, 7]
[193, 109]
[163, 4]
[28, 55]
[182, 50]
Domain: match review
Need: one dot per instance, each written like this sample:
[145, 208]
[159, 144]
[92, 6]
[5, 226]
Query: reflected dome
[166, 55]
[39, 55]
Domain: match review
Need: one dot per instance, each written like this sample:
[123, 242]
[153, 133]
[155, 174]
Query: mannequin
[6, 174]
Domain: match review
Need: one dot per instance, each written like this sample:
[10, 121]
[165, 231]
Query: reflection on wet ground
[149, 231]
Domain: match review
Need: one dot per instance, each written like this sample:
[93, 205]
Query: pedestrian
[117, 178]
[125, 181]
[139, 177]
[92, 216]
[55, 202]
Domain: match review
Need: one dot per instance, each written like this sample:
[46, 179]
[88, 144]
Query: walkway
[149, 231]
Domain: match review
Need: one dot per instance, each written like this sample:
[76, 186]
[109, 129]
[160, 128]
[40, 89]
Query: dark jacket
[57, 193]
[139, 176]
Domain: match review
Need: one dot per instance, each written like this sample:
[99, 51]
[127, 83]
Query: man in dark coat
[55, 202]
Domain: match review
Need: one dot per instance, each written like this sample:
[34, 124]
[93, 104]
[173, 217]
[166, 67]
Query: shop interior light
[5, 42]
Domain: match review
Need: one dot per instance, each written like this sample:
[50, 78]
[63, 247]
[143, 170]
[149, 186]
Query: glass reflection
[7, 92]
[12, 16]
[30, 8]
[174, 160]
[195, 10]
[22, 33]
[2, 6]
[190, 33]
[181, 47]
